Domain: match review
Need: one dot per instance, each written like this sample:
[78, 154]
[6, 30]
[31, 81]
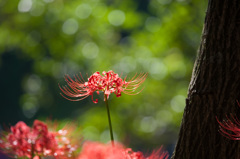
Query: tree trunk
[214, 88]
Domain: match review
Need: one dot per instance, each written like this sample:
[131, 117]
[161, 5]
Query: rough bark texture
[214, 87]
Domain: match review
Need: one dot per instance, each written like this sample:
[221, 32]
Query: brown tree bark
[214, 87]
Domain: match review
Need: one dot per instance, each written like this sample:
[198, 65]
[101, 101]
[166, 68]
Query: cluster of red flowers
[38, 141]
[94, 150]
[24, 141]
[109, 82]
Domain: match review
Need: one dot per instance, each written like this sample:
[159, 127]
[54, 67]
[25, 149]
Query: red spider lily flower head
[109, 82]
[230, 128]
[24, 141]
[95, 150]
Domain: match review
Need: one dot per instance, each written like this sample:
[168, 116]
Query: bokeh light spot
[157, 69]
[29, 105]
[83, 11]
[70, 26]
[37, 9]
[29, 109]
[178, 103]
[126, 65]
[153, 24]
[116, 17]
[164, 115]
[143, 52]
[148, 124]
[90, 50]
[25, 5]
[175, 63]
[33, 84]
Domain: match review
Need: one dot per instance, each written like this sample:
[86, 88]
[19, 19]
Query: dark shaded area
[13, 68]
[143, 5]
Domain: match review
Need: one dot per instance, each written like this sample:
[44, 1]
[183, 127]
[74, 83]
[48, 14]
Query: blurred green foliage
[42, 40]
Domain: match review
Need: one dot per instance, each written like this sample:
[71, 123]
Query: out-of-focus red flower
[65, 146]
[24, 141]
[17, 140]
[109, 82]
[158, 154]
[230, 128]
[95, 150]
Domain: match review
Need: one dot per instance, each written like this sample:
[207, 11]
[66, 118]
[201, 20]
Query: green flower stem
[109, 119]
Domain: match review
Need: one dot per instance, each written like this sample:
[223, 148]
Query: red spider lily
[230, 128]
[24, 141]
[109, 82]
[95, 150]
